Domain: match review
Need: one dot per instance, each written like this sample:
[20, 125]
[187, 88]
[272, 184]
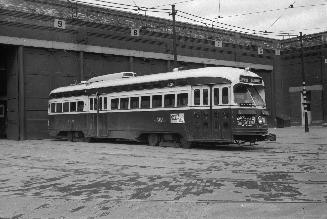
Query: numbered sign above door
[59, 24]
[218, 43]
[260, 51]
[135, 32]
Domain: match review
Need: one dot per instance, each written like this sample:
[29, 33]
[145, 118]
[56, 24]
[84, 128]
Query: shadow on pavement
[227, 147]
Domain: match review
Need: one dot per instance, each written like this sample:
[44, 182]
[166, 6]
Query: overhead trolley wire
[234, 27]
[196, 18]
[272, 10]
[105, 6]
[313, 28]
[107, 2]
[186, 1]
[216, 26]
[197, 21]
[211, 20]
[121, 6]
[138, 8]
[290, 6]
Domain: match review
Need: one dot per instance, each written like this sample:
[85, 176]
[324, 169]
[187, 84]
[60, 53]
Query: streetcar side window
[52, 107]
[225, 99]
[216, 96]
[197, 97]
[66, 107]
[72, 106]
[100, 103]
[95, 101]
[124, 103]
[91, 103]
[135, 102]
[105, 103]
[59, 108]
[145, 102]
[169, 100]
[156, 101]
[80, 106]
[205, 96]
[114, 103]
[182, 99]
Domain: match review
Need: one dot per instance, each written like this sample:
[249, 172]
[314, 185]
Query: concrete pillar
[131, 63]
[277, 94]
[21, 94]
[324, 85]
[81, 65]
[273, 94]
[169, 65]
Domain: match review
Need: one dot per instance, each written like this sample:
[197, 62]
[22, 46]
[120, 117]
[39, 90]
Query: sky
[276, 17]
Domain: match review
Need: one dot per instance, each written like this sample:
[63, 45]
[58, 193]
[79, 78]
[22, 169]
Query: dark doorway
[3, 90]
[3, 119]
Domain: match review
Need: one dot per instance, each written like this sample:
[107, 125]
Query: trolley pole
[173, 13]
[306, 105]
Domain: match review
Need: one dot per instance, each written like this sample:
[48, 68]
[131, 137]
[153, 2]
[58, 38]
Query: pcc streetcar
[206, 105]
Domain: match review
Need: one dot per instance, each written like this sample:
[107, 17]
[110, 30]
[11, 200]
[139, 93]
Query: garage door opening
[8, 92]
[3, 92]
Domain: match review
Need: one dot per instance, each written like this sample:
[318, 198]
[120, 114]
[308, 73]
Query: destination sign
[246, 104]
[248, 79]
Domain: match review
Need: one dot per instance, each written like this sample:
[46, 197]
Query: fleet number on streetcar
[177, 118]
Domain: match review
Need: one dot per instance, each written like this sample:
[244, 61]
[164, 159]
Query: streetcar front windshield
[245, 94]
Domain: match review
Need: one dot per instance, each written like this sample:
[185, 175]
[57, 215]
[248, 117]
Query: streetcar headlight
[261, 120]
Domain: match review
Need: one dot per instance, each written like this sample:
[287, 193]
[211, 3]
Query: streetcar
[212, 105]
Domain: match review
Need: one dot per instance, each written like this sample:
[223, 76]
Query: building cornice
[123, 52]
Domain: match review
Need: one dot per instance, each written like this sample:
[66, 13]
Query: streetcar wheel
[70, 136]
[153, 140]
[185, 144]
[89, 139]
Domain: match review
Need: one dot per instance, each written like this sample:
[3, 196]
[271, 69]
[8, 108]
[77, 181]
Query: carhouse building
[48, 44]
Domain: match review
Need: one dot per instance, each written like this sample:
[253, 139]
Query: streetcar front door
[212, 112]
[201, 127]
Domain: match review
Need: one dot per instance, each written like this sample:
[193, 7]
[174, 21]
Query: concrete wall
[289, 83]
[12, 93]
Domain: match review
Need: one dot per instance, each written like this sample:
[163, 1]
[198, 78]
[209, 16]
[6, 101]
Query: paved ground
[59, 179]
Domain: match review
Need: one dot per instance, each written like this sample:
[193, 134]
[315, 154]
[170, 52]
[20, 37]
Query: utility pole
[173, 13]
[306, 104]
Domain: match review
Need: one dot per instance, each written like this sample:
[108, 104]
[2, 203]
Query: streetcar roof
[229, 73]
